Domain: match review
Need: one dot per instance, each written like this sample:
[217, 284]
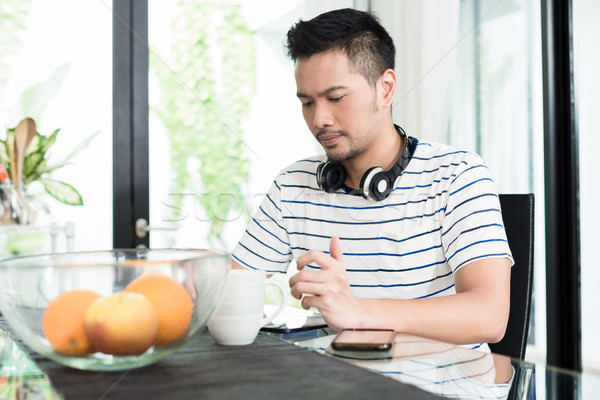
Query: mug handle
[283, 291]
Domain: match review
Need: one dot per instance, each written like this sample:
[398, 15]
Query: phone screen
[364, 339]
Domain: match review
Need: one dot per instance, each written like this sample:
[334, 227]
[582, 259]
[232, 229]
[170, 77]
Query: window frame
[130, 121]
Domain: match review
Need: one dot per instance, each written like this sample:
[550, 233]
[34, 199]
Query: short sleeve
[472, 228]
[265, 244]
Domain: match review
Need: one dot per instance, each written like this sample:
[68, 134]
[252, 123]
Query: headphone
[376, 183]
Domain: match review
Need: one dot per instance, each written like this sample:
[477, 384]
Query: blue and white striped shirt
[443, 213]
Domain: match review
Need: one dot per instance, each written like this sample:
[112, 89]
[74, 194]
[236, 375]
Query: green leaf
[3, 153]
[81, 146]
[35, 99]
[62, 192]
[36, 143]
[31, 164]
[37, 173]
[46, 143]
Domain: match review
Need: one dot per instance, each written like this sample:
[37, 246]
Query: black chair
[517, 214]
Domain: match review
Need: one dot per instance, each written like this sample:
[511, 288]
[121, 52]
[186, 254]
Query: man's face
[339, 106]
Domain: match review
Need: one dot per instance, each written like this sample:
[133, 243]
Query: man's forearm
[461, 318]
[475, 314]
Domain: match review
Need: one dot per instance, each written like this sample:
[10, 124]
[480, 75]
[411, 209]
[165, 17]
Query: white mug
[239, 315]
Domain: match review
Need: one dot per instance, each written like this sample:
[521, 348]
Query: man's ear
[387, 83]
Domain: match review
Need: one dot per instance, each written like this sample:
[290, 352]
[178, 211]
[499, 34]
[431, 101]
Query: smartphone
[364, 340]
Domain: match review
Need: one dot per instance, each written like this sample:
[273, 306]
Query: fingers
[318, 283]
[310, 301]
[306, 288]
[335, 250]
[298, 281]
[312, 256]
[325, 261]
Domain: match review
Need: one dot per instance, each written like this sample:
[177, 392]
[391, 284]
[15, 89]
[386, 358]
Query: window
[57, 69]
[223, 107]
[497, 113]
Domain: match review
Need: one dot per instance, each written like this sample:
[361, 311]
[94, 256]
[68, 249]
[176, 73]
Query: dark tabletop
[267, 369]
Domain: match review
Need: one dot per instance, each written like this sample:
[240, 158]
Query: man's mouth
[328, 139]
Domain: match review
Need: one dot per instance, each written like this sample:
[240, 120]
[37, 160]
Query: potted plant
[24, 157]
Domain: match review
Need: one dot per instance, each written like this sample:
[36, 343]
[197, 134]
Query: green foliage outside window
[206, 88]
[12, 29]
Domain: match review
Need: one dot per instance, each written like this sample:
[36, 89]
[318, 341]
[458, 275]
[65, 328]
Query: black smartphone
[364, 340]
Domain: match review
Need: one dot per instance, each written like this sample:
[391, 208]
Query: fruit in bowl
[122, 324]
[111, 310]
[171, 301]
[63, 322]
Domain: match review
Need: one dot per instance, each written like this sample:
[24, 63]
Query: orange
[63, 322]
[172, 302]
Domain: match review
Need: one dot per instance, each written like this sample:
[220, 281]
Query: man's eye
[307, 104]
[336, 99]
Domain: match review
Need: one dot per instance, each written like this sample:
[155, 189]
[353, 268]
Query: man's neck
[384, 152]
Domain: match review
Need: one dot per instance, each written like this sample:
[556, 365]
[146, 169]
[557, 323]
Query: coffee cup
[239, 316]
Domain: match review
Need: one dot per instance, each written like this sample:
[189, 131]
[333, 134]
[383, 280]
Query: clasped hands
[328, 289]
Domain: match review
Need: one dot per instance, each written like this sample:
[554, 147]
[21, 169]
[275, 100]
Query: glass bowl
[29, 284]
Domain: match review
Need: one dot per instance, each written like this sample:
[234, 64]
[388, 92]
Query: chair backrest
[517, 214]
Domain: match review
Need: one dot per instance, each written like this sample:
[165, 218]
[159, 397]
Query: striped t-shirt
[443, 213]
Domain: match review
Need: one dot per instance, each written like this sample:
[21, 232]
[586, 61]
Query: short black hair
[358, 34]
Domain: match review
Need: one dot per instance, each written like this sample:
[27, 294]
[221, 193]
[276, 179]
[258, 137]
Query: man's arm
[478, 312]
[236, 265]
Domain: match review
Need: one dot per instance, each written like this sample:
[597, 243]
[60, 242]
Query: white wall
[587, 68]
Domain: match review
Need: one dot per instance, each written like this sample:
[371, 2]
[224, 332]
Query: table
[436, 367]
[458, 372]
[269, 368]
[294, 367]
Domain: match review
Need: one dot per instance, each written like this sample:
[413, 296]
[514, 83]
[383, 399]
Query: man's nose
[323, 116]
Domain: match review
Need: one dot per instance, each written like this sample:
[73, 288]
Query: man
[417, 245]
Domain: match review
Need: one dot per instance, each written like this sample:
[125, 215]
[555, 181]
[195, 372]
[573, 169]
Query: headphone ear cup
[381, 188]
[331, 176]
[367, 180]
[376, 184]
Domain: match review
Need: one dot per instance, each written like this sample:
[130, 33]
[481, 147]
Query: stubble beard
[330, 150]
[341, 157]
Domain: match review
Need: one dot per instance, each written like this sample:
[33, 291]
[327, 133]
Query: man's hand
[328, 288]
